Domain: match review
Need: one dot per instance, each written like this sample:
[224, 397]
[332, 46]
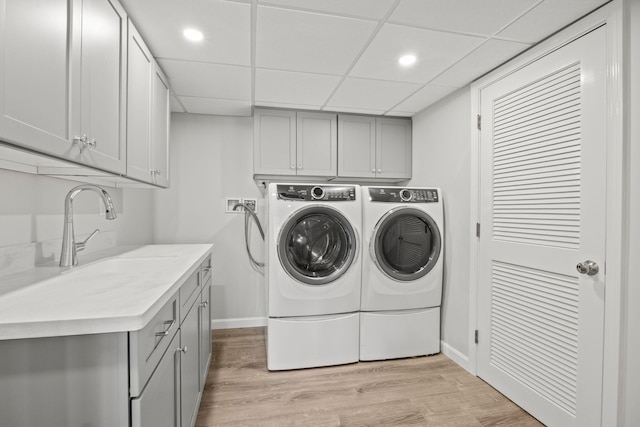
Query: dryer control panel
[312, 193]
[403, 195]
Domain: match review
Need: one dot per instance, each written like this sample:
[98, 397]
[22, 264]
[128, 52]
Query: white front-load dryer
[402, 271]
[313, 270]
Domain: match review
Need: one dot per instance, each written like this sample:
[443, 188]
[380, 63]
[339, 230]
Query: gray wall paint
[32, 213]
[211, 159]
[441, 158]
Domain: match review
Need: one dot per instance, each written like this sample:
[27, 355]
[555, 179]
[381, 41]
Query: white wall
[32, 213]
[441, 158]
[212, 159]
[631, 379]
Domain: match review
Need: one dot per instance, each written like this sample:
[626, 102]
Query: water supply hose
[248, 211]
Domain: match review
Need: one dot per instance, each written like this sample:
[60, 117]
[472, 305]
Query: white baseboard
[241, 322]
[456, 356]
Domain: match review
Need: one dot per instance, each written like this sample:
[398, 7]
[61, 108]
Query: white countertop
[115, 294]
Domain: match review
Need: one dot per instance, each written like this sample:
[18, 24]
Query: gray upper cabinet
[63, 79]
[393, 148]
[274, 142]
[160, 128]
[317, 144]
[35, 75]
[376, 148]
[147, 115]
[103, 91]
[357, 148]
[295, 144]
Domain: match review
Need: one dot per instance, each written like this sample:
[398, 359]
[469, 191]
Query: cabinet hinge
[477, 229]
[479, 122]
[476, 336]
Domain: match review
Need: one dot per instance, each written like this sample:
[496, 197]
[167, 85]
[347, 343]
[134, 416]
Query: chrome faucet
[68, 257]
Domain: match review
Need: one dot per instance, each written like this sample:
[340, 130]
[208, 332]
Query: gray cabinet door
[317, 144]
[189, 366]
[159, 403]
[140, 67]
[103, 85]
[205, 332]
[393, 148]
[35, 77]
[274, 142]
[160, 128]
[356, 146]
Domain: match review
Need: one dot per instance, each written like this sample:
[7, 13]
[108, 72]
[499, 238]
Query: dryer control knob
[317, 193]
[406, 195]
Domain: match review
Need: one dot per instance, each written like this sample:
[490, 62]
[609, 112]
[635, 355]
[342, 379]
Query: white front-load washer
[313, 270]
[401, 272]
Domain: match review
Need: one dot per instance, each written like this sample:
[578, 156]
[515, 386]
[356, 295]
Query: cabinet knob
[293, 166]
[182, 349]
[379, 170]
[373, 171]
[299, 166]
[156, 172]
[204, 304]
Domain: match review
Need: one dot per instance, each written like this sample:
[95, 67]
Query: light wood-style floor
[422, 391]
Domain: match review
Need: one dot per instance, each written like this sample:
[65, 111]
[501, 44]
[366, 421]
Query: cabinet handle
[84, 142]
[204, 304]
[207, 269]
[182, 349]
[156, 172]
[166, 331]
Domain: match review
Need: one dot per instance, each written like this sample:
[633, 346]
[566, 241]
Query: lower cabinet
[171, 395]
[159, 403]
[205, 332]
[190, 366]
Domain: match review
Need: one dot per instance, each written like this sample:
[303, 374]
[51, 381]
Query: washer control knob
[406, 195]
[317, 193]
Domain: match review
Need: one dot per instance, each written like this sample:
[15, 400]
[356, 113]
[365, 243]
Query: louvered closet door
[542, 208]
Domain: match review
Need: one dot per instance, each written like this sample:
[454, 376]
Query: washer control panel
[311, 193]
[403, 195]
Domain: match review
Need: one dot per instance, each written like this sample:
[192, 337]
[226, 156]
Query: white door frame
[611, 15]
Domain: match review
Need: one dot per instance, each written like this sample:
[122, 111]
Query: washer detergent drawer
[311, 341]
[147, 345]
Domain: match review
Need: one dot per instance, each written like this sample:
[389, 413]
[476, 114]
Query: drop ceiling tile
[217, 107]
[435, 52]
[464, 16]
[482, 60]
[370, 94]
[208, 80]
[370, 9]
[423, 98]
[547, 18]
[293, 88]
[309, 42]
[226, 27]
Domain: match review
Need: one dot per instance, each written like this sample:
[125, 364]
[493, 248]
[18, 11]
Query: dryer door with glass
[406, 243]
[317, 245]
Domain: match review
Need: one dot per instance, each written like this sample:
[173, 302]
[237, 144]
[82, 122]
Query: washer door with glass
[406, 244]
[317, 245]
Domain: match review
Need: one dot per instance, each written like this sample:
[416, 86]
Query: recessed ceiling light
[193, 35]
[407, 60]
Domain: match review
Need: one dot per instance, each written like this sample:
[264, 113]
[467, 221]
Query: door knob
[589, 268]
